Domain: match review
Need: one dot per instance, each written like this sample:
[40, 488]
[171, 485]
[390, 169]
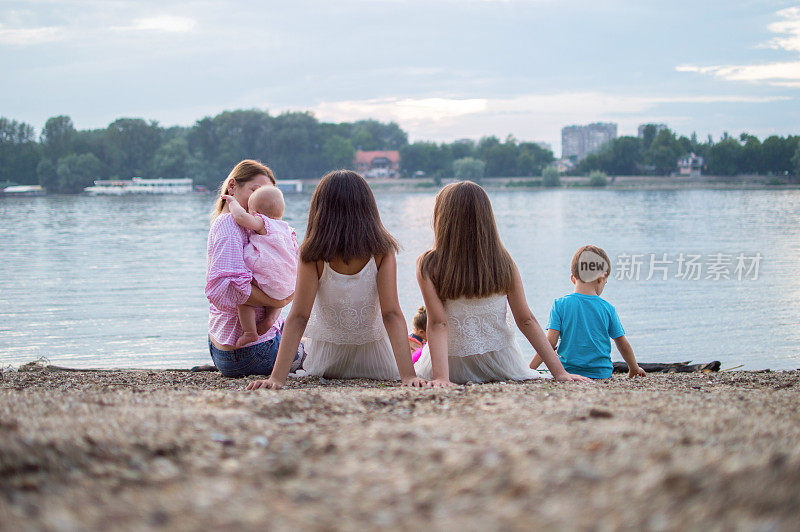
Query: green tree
[295, 148]
[648, 135]
[46, 173]
[752, 156]
[57, 137]
[598, 179]
[19, 152]
[796, 161]
[724, 157]
[501, 159]
[463, 148]
[621, 156]
[532, 159]
[373, 135]
[551, 177]
[171, 159]
[777, 154]
[76, 172]
[338, 152]
[132, 143]
[664, 152]
[424, 156]
[469, 168]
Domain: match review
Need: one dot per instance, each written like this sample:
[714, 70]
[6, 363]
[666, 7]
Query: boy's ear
[572, 278]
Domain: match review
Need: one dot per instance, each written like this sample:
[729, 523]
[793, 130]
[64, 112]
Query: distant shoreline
[748, 182]
[618, 183]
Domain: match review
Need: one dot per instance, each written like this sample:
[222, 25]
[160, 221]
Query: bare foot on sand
[246, 338]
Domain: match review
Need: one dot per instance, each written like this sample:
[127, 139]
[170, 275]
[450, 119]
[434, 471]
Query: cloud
[789, 27]
[576, 103]
[783, 74]
[162, 23]
[29, 36]
[406, 109]
[529, 116]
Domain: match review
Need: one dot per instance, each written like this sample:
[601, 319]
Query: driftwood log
[672, 367]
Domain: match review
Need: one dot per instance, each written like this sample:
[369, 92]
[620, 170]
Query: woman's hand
[415, 382]
[441, 383]
[569, 377]
[271, 383]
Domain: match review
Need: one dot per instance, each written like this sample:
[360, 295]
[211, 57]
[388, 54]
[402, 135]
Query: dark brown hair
[421, 319]
[343, 221]
[467, 259]
[242, 173]
[594, 249]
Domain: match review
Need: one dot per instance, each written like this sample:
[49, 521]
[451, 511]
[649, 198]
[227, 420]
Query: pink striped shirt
[228, 282]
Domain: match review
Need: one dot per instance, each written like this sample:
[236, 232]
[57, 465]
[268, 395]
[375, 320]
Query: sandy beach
[149, 449]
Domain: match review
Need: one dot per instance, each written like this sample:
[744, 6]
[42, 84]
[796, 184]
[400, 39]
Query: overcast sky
[442, 69]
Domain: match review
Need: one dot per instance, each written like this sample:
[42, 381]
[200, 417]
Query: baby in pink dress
[271, 253]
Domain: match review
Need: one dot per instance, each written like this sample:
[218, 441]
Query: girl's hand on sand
[415, 382]
[441, 383]
[271, 383]
[569, 377]
[638, 372]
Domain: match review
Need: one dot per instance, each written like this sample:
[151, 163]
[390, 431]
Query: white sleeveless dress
[481, 343]
[346, 338]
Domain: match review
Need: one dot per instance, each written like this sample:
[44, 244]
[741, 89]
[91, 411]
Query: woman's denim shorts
[257, 359]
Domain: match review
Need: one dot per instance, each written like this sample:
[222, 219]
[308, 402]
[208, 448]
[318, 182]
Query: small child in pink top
[271, 252]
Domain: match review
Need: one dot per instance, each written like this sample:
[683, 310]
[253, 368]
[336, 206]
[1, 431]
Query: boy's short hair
[421, 320]
[575, 267]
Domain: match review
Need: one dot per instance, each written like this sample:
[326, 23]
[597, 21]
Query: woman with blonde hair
[229, 283]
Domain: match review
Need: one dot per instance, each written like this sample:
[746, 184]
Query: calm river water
[118, 281]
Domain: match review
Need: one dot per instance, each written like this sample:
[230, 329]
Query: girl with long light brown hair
[469, 281]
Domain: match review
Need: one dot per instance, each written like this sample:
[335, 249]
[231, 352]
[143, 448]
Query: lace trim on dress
[346, 309]
[477, 326]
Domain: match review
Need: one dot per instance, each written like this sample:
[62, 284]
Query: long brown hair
[242, 173]
[467, 259]
[343, 221]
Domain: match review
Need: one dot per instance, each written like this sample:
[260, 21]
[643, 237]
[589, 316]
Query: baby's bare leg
[247, 319]
[536, 362]
[264, 325]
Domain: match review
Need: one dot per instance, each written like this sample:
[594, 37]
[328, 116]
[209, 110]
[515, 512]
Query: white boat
[139, 185]
[290, 185]
[24, 190]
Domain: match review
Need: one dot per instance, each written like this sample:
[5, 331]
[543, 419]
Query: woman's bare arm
[259, 299]
[293, 328]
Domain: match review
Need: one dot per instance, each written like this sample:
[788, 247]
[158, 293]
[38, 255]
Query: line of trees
[295, 144]
[658, 152]
[509, 158]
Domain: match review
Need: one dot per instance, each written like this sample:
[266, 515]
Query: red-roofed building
[378, 163]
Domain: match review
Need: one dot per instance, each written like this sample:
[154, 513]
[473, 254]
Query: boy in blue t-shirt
[586, 322]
